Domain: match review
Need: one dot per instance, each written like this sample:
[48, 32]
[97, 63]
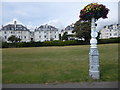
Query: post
[94, 55]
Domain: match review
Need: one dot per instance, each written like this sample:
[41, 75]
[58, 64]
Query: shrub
[5, 45]
[57, 43]
[111, 40]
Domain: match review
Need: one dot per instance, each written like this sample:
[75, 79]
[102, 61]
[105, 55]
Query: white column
[94, 34]
[94, 55]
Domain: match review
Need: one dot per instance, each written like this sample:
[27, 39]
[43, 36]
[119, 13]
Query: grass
[57, 64]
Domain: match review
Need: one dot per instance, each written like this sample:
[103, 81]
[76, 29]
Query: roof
[14, 26]
[111, 26]
[70, 27]
[46, 27]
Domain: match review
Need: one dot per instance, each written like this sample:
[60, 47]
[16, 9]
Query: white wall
[110, 33]
[46, 35]
[23, 35]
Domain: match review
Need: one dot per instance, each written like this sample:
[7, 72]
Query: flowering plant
[93, 10]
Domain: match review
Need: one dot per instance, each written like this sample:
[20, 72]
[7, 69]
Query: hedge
[57, 43]
[111, 40]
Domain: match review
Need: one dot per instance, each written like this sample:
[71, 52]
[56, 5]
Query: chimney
[15, 22]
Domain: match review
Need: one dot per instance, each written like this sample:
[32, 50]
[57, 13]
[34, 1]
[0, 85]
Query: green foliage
[56, 43]
[111, 40]
[5, 45]
[83, 30]
[65, 36]
[60, 37]
[14, 39]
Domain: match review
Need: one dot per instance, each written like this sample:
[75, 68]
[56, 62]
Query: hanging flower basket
[93, 10]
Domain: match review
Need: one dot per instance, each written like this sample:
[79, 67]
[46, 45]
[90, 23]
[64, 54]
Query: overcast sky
[59, 14]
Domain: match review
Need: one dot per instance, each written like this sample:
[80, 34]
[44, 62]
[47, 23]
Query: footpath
[65, 85]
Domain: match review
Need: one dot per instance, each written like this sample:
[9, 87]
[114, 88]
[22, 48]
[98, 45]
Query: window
[115, 34]
[45, 36]
[5, 28]
[5, 32]
[106, 33]
[55, 36]
[110, 34]
[107, 30]
[24, 36]
[11, 32]
[39, 36]
[5, 37]
[25, 29]
[10, 28]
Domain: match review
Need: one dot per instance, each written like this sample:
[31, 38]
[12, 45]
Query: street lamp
[93, 12]
[94, 55]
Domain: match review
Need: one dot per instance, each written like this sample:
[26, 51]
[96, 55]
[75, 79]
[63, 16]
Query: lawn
[57, 64]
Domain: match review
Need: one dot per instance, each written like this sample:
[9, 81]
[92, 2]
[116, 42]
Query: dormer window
[5, 32]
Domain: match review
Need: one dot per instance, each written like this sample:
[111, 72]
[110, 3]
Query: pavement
[65, 85]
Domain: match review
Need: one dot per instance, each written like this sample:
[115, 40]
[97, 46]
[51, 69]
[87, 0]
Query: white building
[42, 33]
[69, 29]
[18, 30]
[46, 33]
[110, 31]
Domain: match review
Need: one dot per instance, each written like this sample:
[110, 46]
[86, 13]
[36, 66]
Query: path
[65, 85]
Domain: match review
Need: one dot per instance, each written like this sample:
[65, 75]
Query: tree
[14, 39]
[82, 30]
[60, 37]
[65, 36]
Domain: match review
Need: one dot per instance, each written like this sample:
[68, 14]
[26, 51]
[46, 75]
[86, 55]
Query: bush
[57, 43]
[5, 45]
[111, 40]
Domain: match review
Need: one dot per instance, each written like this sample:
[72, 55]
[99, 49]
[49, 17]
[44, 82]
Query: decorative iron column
[94, 72]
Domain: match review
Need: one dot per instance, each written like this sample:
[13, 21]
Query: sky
[59, 14]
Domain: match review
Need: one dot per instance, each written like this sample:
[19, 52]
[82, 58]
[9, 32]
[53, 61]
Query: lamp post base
[94, 64]
[94, 75]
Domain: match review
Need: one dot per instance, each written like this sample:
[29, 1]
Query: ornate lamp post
[94, 60]
[92, 12]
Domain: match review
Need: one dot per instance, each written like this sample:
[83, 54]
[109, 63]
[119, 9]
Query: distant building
[110, 31]
[46, 33]
[69, 29]
[42, 33]
[18, 30]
